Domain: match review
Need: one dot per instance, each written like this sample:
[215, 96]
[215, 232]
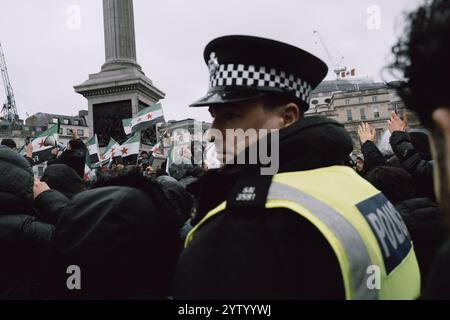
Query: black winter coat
[124, 240]
[438, 287]
[74, 158]
[422, 218]
[410, 159]
[24, 238]
[372, 156]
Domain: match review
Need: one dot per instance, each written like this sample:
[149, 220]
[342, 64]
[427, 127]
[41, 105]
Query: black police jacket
[245, 254]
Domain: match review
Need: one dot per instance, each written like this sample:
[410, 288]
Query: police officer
[314, 230]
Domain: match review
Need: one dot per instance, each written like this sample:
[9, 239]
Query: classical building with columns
[120, 89]
[351, 102]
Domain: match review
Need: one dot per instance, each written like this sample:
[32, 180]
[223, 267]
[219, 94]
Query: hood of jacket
[16, 182]
[64, 179]
[178, 197]
[74, 158]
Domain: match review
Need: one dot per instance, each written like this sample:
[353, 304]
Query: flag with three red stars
[129, 150]
[144, 119]
[41, 152]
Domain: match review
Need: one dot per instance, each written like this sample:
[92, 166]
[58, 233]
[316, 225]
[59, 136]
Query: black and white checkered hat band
[251, 76]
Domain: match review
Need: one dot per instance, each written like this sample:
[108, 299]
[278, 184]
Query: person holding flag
[26, 150]
[40, 148]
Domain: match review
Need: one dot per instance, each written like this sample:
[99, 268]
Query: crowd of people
[405, 176]
[315, 230]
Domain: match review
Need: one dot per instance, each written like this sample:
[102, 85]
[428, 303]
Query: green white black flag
[41, 152]
[131, 146]
[94, 153]
[111, 151]
[144, 119]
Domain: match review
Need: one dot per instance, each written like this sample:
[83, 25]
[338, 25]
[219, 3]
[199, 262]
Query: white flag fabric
[144, 119]
[131, 146]
[111, 151]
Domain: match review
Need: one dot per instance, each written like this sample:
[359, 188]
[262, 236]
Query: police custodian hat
[244, 67]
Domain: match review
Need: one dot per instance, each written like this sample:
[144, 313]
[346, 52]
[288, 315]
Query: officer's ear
[290, 114]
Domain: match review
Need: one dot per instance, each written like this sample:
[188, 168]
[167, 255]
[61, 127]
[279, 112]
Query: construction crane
[9, 110]
[338, 67]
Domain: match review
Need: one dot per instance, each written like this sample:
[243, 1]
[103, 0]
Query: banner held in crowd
[94, 153]
[41, 144]
[111, 151]
[130, 149]
[89, 173]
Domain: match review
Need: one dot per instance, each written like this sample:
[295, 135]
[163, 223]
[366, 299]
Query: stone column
[120, 45]
[120, 89]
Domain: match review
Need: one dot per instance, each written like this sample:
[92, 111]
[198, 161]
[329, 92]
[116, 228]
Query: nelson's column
[120, 89]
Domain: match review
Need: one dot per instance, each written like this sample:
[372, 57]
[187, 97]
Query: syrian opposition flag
[88, 172]
[144, 119]
[94, 153]
[111, 151]
[127, 125]
[41, 152]
[130, 149]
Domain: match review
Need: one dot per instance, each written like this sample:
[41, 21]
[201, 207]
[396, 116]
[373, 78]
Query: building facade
[38, 123]
[67, 124]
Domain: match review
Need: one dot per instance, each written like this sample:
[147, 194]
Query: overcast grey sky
[46, 58]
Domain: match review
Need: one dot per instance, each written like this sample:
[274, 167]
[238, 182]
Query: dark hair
[9, 143]
[396, 183]
[160, 172]
[421, 143]
[196, 172]
[422, 55]
[274, 100]
[164, 165]
[133, 177]
[144, 152]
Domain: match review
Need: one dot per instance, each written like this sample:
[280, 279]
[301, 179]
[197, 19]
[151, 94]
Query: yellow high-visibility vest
[365, 231]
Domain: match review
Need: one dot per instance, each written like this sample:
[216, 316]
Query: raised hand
[395, 123]
[366, 133]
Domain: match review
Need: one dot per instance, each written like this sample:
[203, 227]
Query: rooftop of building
[348, 85]
[44, 119]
